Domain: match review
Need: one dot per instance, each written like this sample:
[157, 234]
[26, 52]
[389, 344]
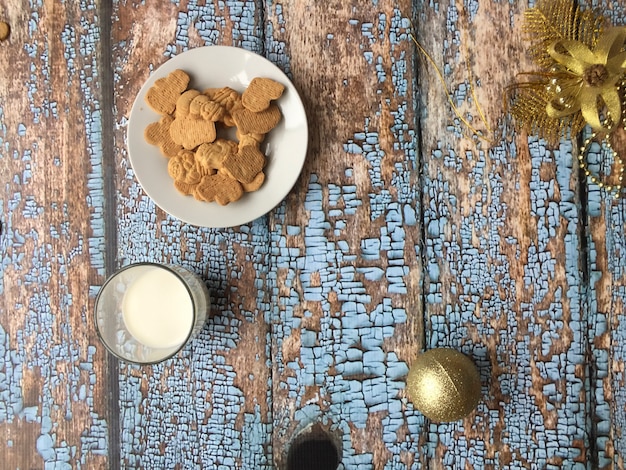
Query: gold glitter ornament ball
[4, 30]
[444, 385]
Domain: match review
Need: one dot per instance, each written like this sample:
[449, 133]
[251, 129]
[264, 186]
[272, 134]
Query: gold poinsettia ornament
[591, 79]
[581, 76]
[581, 71]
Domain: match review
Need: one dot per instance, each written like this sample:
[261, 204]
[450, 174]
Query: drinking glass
[146, 312]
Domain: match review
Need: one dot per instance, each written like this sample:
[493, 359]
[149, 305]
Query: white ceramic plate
[285, 146]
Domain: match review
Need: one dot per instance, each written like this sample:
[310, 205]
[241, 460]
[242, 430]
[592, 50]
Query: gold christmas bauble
[444, 385]
[4, 30]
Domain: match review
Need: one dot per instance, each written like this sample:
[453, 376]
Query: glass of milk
[146, 312]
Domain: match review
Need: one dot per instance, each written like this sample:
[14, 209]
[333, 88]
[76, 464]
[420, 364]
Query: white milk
[157, 309]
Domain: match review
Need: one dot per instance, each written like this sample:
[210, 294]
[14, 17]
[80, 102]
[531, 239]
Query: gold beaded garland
[444, 385]
[614, 188]
[611, 188]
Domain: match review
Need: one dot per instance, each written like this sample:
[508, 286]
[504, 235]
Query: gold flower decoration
[589, 79]
[580, 81]
[581, 69]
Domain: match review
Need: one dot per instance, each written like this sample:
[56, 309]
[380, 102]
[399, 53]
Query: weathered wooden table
[403, 233]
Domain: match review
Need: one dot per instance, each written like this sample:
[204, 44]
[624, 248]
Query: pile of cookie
[202, 165]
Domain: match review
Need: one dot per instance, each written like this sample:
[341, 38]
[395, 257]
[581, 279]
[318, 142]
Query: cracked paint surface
[340, 295]
[317, 309]
[195, 410]
[46, 363]
[537, 332]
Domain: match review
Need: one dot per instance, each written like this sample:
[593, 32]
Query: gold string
[456, 111]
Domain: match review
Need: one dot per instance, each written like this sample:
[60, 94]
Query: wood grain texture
[606, 261]
[209, 407]
[348, 310]
[54, 410]
[512, 275]
[404, 232]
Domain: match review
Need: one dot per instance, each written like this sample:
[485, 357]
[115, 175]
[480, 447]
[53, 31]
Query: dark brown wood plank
[209, 407]
[348, 314]
[404, 232]
[606, 259]
[505, 274]
[54, 385]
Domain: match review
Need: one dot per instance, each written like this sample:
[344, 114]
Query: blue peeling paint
[231, 428]
[44, 345]
[345, 358]
[354, 286]
[471, 260]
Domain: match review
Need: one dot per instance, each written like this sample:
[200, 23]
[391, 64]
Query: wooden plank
[505, 281]
[209, 407]
[402, 233]
[54, 410]
[605, 261]
[346, 244]
[606, 303]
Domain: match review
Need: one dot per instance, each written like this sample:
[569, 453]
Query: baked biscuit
[208, 169]
[220, 188]
[249, 122]
[162, 96]
[255, 184]
[183, 167]
[246, 164]
[158, 133]
[260, 93]
[249, 139]
[190, 133]
[183, 103]
[211, 156]
[188, 129]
